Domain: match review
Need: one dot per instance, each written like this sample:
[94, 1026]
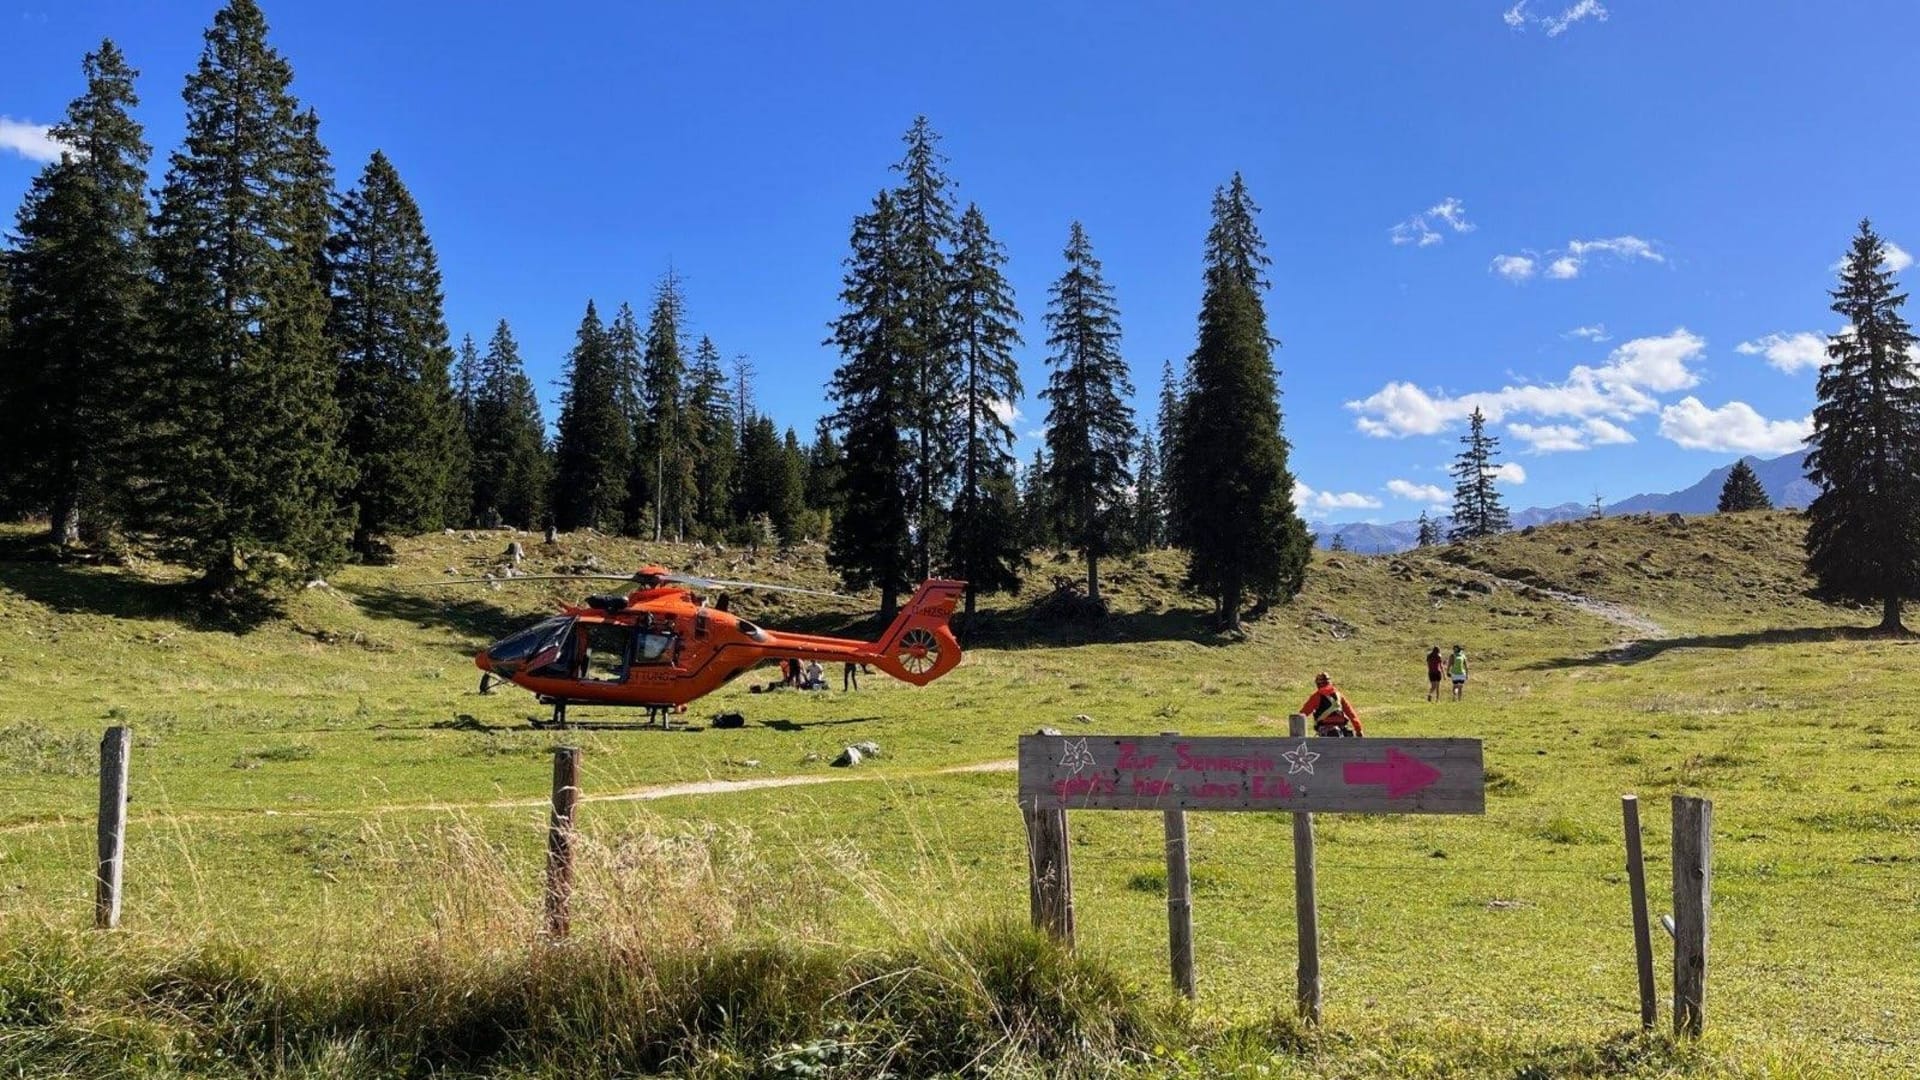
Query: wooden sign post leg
[1642, 933]
[566, 796]
[1179, 901]
[1306, 913]
[1050, 884]
[115, 749]
[1692, 900]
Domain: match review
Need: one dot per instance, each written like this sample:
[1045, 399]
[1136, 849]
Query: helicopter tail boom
[919, 647]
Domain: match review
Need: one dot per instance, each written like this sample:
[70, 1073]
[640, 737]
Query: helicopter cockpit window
[530, 642]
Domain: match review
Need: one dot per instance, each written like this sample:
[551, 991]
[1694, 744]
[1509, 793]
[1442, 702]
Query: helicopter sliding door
[604, 652]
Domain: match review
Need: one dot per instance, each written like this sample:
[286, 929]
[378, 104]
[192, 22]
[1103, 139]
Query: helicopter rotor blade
[533, 577]
[712, 583]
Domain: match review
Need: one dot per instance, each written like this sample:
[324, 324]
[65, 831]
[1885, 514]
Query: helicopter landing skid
[656, 714]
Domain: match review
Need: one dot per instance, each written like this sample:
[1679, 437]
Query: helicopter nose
[482, 661]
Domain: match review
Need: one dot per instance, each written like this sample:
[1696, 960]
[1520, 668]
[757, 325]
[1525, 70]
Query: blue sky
[1609, 222]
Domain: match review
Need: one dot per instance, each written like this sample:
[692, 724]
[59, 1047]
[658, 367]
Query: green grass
[314, 841]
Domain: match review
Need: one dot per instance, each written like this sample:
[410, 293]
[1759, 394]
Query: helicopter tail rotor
[919, 647]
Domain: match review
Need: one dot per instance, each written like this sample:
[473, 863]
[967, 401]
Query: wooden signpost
[1172, 774]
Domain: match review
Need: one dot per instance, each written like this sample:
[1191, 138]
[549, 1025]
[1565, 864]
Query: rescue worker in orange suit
[1330, 711]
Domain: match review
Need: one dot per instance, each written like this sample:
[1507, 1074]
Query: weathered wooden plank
[1306, 906]
[1692, 902]
[1642, 933]
[1050, 871]
[1179, 901]
[1296, 774]
[566, 798]
[115, 754]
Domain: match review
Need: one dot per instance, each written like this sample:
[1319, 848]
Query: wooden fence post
[1306, 913]
[1642, 933]
[1050, 871]
[115, 750]
[1179, 900]
[1692, 902]
[566, 796]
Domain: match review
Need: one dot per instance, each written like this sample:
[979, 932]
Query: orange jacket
[1329, 706]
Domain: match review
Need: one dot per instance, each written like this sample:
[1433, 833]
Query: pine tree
[1090, 430]
[871, 545]
[983, 547]
[1166, 426]
[594, 450]
[404, 436]
[1477, 510]
[789, 502]
[625, 344]
[1230, 486]
[1742, 491]
[1149, 513]
[246, 455]
[1036, 504]
[1863, 537]
[76, 321]
[743, 382]
[511, 470]
[1429, 534]
[662, 450]
[466, 382]
[713, 440]
[826, 469]
[925, 233]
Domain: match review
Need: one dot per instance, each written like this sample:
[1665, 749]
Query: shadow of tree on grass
[1637, 652]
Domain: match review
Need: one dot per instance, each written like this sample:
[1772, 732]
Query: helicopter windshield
[530, 642]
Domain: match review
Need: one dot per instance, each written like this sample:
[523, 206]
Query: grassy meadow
[336, 844]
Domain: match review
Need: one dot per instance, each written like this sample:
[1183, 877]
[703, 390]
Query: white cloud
[1549, 438]
[1006, 410]
[1420, 493]
[1513, 267]
[1619, 389]
[1510, 472]
[35, 142]
[1788, 352]
[1306, 497]
[1596, 332]
[1566, 263]
[1733, 427]
[1607, 433]
[1420, 229]
[1518, 17]
[1553, 438]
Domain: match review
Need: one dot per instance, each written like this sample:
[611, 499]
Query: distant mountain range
[1784, 479]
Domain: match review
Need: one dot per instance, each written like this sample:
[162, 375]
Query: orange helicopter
[660, 647]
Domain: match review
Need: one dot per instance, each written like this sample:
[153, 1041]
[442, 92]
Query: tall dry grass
[691, 954]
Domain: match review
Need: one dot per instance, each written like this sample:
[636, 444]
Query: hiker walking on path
[1330, 711]
[1436, 666]
[1457, 671]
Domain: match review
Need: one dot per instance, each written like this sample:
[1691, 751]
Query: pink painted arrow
[1402, 775]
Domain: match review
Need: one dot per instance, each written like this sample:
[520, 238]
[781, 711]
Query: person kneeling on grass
[1330, 711]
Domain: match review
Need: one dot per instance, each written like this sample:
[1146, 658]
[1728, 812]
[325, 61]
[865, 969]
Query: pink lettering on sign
[1130, 758]
[1272, 787]
[1084, 785]
[1214, 790]
[1195, 763]
[1143, 785]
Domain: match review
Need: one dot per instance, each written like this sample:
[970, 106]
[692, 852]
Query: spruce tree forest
[237, 358]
